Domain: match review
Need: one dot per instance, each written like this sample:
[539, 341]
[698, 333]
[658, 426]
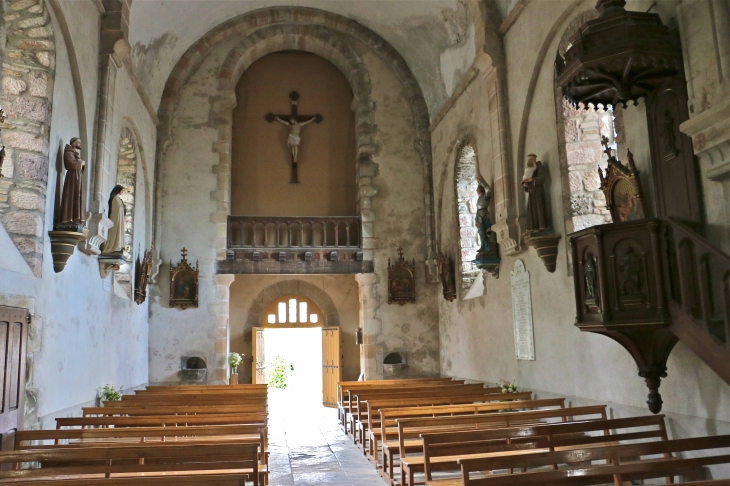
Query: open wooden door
[13, 336]
[331, 365]
[258, 371]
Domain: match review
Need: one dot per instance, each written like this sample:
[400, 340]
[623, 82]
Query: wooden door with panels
[331, 365]
[258, 366]
[13, 341]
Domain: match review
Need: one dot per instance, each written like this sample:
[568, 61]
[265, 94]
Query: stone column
[371, 325]
[220, 310]
[508, 226]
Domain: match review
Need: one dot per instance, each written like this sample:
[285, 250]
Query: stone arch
[27, 85]
[290, 287]
[329, 34]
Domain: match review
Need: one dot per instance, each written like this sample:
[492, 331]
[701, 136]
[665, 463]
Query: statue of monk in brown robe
[533, 181]
[72, 211]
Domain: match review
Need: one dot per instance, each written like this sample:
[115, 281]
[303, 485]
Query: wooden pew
[159, 420]
[149, 409]
[457, 392]
[409, 429]
[341, 385]
[152, 459]
[391, 448]
[352, 391]
[621, 463]
[382, 421]
[214, 480]
[441, 451]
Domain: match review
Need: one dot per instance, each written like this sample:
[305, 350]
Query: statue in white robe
[115, 241]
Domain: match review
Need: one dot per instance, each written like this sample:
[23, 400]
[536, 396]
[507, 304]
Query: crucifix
[295, 122]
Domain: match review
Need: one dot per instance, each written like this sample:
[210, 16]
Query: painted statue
[72, 211]
[117, 212]
[533, 180]
[483, 220]
[295, 135]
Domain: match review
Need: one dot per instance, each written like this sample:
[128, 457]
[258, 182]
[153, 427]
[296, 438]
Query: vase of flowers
[234, 359]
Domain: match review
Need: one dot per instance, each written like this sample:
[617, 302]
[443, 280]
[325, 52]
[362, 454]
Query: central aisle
[308, 447]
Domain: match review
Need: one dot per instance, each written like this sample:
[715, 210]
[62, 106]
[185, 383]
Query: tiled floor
[308, 448]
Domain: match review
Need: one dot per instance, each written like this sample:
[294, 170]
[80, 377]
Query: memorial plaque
[522, 312]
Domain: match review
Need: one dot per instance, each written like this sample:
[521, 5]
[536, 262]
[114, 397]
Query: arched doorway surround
[274, 292]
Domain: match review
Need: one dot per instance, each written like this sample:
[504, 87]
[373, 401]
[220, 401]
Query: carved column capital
[509, 235]
[99, 226]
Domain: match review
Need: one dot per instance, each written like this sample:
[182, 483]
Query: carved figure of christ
[295, 124]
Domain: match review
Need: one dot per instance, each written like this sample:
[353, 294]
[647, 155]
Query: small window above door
[292, 311]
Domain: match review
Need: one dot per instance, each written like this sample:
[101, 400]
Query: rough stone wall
[29, 57]
[476, 336]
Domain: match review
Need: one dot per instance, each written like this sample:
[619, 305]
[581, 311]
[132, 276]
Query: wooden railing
[263, 232]
[698, 287]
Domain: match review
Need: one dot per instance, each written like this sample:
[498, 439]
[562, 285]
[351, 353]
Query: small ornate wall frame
[446, 272]
[401, 280]
[184, 283]
[622, 187]
[142, 276]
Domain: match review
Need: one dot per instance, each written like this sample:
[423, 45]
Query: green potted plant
[234, 359]
[110, 394]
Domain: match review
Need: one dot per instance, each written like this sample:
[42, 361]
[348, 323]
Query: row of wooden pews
[444, 432]
[161, 435]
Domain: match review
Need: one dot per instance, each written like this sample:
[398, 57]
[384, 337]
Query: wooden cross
[295, 122]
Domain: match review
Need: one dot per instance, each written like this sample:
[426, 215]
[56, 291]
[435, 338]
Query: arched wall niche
[319, 32]
[466, 170]
[27, 88]
[260, 156]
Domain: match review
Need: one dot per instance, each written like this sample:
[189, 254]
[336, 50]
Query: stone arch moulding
[277, 290]
[323, 33]
[27, 88]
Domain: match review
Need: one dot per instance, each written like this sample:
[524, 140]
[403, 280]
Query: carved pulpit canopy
[184, 283]
[622, 187]
[401, 280]
[619, 57]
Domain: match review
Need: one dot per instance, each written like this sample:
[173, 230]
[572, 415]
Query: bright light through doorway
[302, 350]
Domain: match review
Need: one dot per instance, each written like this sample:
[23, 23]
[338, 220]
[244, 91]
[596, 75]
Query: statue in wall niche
[591, 275]
[117, 212]
[446, 272]
[72, 211]
[483, 220]
[533, 180]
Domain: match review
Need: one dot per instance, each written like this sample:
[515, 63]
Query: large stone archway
[229, 50]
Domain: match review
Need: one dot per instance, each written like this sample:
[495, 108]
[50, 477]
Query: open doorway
[295, 355]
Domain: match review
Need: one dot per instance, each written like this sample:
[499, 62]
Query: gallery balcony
[294, 245]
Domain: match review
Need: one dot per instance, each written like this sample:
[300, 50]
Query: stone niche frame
[331, 37]
[27, 87]
[273, 292]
